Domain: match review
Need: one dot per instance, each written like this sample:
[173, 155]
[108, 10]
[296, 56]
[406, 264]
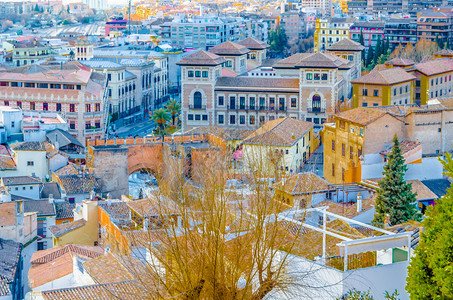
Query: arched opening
[142, 183]
[316, 103]
[197, 101]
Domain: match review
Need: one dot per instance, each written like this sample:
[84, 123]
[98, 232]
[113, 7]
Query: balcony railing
[200, 107]
[314, 110]
[93, 130]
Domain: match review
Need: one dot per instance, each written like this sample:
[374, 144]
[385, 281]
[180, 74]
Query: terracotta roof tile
[423, 192]
[253, 44]
[401, 62]
[107, 269]
[79, 184]
[290, 62]
[10, 254]
[124, 290]
[324, 60]
[64, 210]
[153, 207]
[279, 132]
[69, 169]
[229, 48]
[29, 146]
[346, 45]
[20, 180]
[386, 76]
[201, 58]
[62, 229]
[437, 66]
[42, 207]
[45, 256]
[44, 273]
[300, 184]
[362, 115]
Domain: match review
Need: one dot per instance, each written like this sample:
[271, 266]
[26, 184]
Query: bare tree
[202, 240]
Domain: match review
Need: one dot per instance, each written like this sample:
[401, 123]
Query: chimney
[109, 199]
[51, 198]
[359, 203]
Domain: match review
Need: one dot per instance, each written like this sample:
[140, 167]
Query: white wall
[27, 253]
[60, 283]
[57, 161]
[430, 168]
[29, 190]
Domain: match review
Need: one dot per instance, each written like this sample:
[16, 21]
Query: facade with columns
[306, 86]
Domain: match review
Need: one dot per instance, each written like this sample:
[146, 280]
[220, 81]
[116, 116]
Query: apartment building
[154, 82]
[71, 89]
[330, 31]
[378, 8]
[383, 87]
[324, 7]
[400, 31]
[371, 31]
[435, 24]
[306, 86]
[28, 52]
[294, 25]
[208, 31]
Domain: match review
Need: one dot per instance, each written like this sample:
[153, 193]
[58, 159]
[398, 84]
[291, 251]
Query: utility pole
[130, 1]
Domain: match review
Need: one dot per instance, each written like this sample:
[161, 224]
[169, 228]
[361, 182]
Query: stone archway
[145, 157]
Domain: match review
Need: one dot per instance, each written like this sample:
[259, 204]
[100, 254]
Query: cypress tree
[430, 272]
[395, 196]
[378, 49]
[370, 57]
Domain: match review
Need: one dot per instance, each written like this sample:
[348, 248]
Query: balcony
[93, 130]
[197, 107]
[316, 110]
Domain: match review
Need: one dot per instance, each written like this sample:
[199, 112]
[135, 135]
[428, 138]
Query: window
[242, 120]
[71, 107]
[394, 92]
[342, 174]
[293, 102]
[58, 106]
[241, 102]
[309, 76]
[88, 125]
[364, 92]
[97, 124]
[351, 151]
[401, 90]
[72, 125]
[190, 74]
[417, 83]
[97, 107]
[197, 117]
[197, 100]
[324, 76]
[12, 124]
[30, 163]
[221, 101]
[316, 103]
[205, 74]
[19, 104]
[361, 131]
[376, 93]
[32, 106]
[262, 103]
[333, 170]
[232, 119]
[228, 64]
[232, 102]
[220, 119]
[333, 145]
[197, 73]
[252, 120]
[343, 149]
[317, 76]
[252, 102]
[406, 88]
[87, 108]
[204, 117]
[190, 117]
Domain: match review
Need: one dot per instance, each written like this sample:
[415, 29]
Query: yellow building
[83, 231]
[300, 190]
[279, 145]
[352, 136]
[330, 31]
[393, 86]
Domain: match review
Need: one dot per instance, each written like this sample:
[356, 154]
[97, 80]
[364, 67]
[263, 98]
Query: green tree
[174, 107]
[67, 9]
[395, 197]
[431, 270]
[439, 42]
[161, 117]
[378, 49]
[370, 58]
[36, 7]
[278, 39]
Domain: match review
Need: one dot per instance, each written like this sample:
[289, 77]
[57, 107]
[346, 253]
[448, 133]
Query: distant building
[432, 25]
[371, 31]
[294, 25]
[30, 52]
[330, 31]
[400, 31]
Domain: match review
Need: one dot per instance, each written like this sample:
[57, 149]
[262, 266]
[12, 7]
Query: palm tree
[161, 117]
[174, 107]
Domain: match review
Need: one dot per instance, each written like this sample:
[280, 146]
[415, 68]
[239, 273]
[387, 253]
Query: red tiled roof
[45, 256]
[399, 61]
[62, 229]
[229, 48]
[346, 45]
[303, 184]
[434, 67]
[279, 132]
[361, 115]
[324, 60]
[253, 44]
[201, 58]
[386, 76]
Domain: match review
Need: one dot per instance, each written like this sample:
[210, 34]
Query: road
[141, 129]
[137, 182]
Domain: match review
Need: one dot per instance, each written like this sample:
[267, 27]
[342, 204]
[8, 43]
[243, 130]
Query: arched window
[316, 103]
[197, 100]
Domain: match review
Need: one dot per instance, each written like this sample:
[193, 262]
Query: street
[141, 129]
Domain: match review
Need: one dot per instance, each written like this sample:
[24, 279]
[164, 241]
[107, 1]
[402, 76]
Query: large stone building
[305, 86]
[330, 31]
[73, 90]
